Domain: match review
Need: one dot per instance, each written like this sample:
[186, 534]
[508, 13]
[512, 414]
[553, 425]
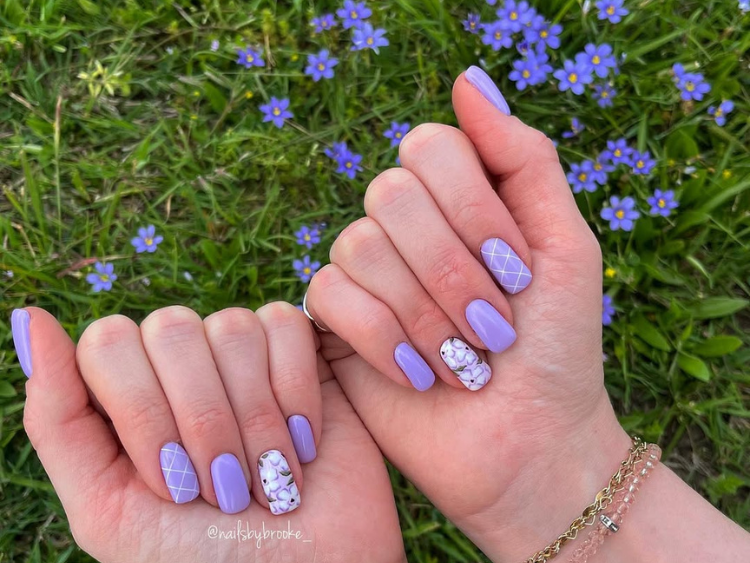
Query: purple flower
[146, 241]
[276, 111]
[574, 76]
[575, 127]
[603, 94]
[215, 45]
[620, 214]
[642, 163]
[611, 10]
[693, 86]
[543, 34]
[308, 236]
[679, 71]
[720, 113]
[531, 70]
[604, 162]
[305, 269]
[365, 37]
[496, 36]
[396, 133]
[337, 150]
[515, 15]
[662, 203]
[744, 6]
[320, 65]
[472, 23]
[619, 151]
[600, 58]
[103, 278]
[249, 57]
[353, 13]
[599, 171]
[581, 177]
[349, 164]
[324, 23]
[607, 310]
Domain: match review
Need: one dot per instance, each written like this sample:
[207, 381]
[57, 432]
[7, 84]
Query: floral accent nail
[278, 482]
[471, 370]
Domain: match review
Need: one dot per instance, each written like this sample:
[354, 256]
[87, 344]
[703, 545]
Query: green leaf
[715, 307]
[717, 346]
[89, 7]
[693, 366]
[285, 473]
[7, 390]
[650, 334]
[215, 97]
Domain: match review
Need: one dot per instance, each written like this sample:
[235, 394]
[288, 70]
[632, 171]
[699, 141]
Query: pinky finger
[368, 325]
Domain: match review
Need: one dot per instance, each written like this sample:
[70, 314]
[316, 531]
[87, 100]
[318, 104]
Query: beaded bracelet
[611, 519]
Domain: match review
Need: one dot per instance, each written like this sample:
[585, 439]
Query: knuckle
[418, 142]
[325, 280]
[176, 322]
[388, 188]
[281, 314]
[377, 323]
[359, 241]
[290, 381]
[104, 334]
[145, 414]
[466, 208]
[448, 273]
[544, 148]
[207, 420]
[231, 329]
[261, 418]
[426, 319]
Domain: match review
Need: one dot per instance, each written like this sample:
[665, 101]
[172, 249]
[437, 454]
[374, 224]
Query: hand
[511, 464]
[219, 391]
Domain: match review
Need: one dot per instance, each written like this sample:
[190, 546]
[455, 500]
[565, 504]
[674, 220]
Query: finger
[71, 439]
[176, 346]
[116, 369]
[370, 326]
[239, 348]
[446, 162]
[457, 282]
[294, 375]
[522, 161]
[367, 255]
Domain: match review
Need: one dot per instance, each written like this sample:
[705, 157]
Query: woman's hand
[513, 463]
[155, 437]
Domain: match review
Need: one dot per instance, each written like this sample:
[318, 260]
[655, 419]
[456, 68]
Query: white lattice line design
[505, 264]
[187, 470]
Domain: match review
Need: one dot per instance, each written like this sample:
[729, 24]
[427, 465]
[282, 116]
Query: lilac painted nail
[302, 438]
[278, 482]
[508, 269]
[482, 82]
[414, 367]
[470, 369]
[19, 322]
[230, 484]
[179, 473]
[490, 326]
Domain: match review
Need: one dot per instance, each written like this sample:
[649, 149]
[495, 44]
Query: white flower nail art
[278, 483]
[471, 370]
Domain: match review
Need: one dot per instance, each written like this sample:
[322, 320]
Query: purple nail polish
[19, 322]
[179, 473]
[508, 269]
[414, 367]
[482, 82]
[490, 326]
[230, 484]
[302, 438]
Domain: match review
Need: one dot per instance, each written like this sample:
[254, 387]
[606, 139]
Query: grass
[179, 143]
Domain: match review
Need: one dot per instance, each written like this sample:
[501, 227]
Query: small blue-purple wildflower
[678, 70]
[720, 113]
[576, 127]
[603, 94]
[337, 150]
[305, 268]
[531, 70]
[514, 16]
[600, 58]
[543, 34]
[620, 151]
[396, 133]
[604, 162]
[320, 65]
[348, 163]
[574, 76]
[308, 236]
[276, 111]
[744, 6]
[249, 57]
[599, 171]
[472, 23]
[642, 163]
[608, 310]
[324, 23]
[215, 45]
[353, 13]
[581, 177]
[103, 278]
[147, 240]
[621, 214]
[612, 10]
[496, 36]
[662, 203]
[365, 37]
[693, 86]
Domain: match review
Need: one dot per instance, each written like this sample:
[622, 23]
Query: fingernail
[179, 473]
[508, 269]
[278, 482]
[482, 82]
[471, 370]
[19, 322]
[494, 331]
[230, 484]
[414, 367]
[302, 438]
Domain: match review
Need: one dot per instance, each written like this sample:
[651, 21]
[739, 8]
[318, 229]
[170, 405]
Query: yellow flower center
[349, 165]
[276, 111]
[526, 73]
[661, 203]
[498, 35]
[514, 15]
[611, 10]
[354, 15]
[582, 176]
[605, 94]
[719, 112]
[640, 164]
[104, 278]
[619, 214]
[689, 86]
[307, 271]
[148, 241]
[596, 60]
[370, 40]
[472, 25]
[398, 135]
[307, 237]
[573, 78]
[618, 152]
[597, 166]
[249, 58]
[543, 34]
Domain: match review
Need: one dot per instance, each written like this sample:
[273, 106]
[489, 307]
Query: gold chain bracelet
[601, 502]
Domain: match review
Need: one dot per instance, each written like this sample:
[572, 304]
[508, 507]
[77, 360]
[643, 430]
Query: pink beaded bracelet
[611, 519]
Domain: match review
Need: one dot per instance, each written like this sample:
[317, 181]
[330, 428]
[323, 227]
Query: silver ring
[309, 316]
